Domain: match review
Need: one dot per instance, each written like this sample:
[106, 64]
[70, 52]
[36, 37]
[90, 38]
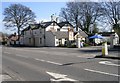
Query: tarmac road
[58, 64]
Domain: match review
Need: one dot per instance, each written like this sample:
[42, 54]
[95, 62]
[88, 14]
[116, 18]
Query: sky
[42, 10]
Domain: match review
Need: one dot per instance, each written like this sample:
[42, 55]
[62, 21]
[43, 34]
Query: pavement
[114, 55]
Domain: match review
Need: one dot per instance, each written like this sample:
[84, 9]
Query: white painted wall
[56, 42]
[65, 28]
[63, 41]
[50, 39]
[27, 33]
[28, 42]
[37, 41]
[21, 40]
[51, 26]
[37, 34]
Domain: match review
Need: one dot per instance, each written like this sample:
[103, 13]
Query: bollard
[105, 49]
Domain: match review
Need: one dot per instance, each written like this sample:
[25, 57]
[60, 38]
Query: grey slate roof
[106, 33]
[61, 24]
[83, 34]
[60, 34]
[46, 24]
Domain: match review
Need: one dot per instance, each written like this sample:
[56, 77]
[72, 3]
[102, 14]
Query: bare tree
[71, 13]
[91, 13]
[18, 16]
[112, 12]
[82, 14]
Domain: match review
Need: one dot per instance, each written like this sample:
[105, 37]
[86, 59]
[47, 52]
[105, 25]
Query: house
[56, 38]
[31, 35]
[81, 34]
[110, 37]
[13, 39]
[46, 34]
[65, 25]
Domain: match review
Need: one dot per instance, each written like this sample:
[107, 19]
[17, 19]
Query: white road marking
[53, 62]
[7, 52]
[108, 63]
[48, 61]
[3, 77]
[83, 57]
[0, 78]
[59, 77]
[37, 59]
[22, 56]
[95, 71]
[40, 60]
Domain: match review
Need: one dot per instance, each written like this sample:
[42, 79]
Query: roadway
[58, 64]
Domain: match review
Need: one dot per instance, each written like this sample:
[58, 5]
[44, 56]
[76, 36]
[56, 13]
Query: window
[40, 30]
[40, 40]
[35, 32]
[58, 29]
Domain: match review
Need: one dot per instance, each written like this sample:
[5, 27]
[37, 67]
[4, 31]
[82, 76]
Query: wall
[65, 28]
[51, 26]
[38, 33]
[33, 38]
[21, 40]
[56, 42]
[50, 39]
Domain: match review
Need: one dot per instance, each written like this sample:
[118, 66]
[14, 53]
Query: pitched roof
[46, 24]
[81, 33]
[32, 26]
[106, 33]
[35, 26]
[60, 34]
[27, 28]
[13, 37]
[66, 23]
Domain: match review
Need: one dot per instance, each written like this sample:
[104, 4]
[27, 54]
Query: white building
[110, 37]
[46, 34]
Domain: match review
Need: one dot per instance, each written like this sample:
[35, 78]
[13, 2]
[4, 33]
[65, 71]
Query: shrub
[86, 45]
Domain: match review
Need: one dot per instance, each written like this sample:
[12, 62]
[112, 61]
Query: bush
[4, 43]
[86, 45]
[61, 45]
[72, 46]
